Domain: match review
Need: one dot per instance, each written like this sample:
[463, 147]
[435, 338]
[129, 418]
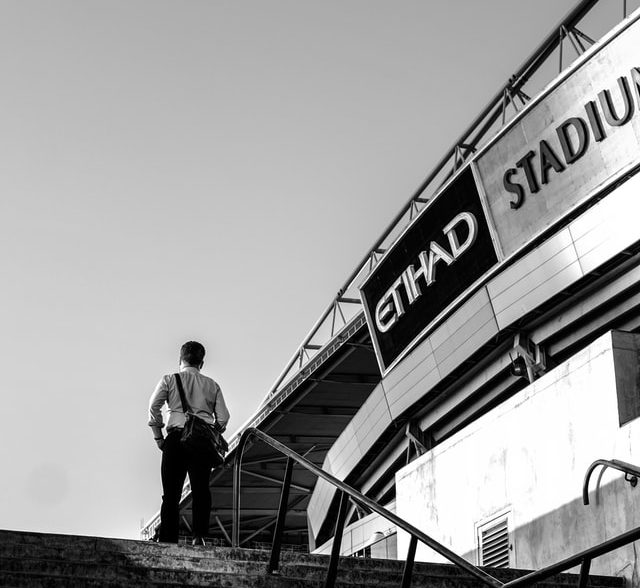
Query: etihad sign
[571, 145]
[438, 257]
[391, 307]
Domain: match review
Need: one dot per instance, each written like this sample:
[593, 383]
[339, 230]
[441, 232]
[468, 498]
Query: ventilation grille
[494, 544]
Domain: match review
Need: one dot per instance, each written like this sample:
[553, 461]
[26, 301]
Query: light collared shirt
[203, 396]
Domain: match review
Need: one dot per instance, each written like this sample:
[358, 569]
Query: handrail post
[584, 572]
[621, 466]
[237, 468]
[408, 565]
[337, 541]
[365, 501]
[235, 519]
[274, 561]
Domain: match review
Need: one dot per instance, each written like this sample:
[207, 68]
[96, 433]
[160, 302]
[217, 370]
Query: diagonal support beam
[275, 480]
[258, 531]
[224, 531]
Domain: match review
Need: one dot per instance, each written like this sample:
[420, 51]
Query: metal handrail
[623, 466]
[582, 558]
[346, 490]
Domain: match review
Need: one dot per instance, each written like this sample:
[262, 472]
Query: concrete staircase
[56, 561]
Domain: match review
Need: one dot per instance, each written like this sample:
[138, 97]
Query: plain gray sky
[209, 170]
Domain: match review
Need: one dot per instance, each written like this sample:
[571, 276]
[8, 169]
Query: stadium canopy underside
[308, 421]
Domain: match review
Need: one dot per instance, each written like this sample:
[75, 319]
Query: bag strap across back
[185, 405]
[183, 400]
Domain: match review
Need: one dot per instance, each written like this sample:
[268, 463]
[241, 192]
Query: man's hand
[158, 437]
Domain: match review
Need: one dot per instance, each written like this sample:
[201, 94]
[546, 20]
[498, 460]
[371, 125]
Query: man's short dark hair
[192, 353]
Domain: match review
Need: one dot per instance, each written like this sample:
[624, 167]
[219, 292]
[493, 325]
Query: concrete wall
[528, 457]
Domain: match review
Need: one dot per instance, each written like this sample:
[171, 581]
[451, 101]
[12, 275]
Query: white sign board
[579, 136]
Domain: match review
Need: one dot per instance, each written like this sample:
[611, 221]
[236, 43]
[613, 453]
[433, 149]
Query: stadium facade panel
[500, 396]
[571, 143]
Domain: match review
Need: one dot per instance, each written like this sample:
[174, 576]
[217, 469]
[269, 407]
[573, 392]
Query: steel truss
[510, 99]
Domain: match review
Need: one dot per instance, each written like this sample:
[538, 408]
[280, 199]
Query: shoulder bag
[198, 436]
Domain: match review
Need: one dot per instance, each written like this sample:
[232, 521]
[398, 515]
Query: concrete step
[49, 560]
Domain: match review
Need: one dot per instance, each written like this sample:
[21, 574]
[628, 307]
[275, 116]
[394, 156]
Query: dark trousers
[176, 463]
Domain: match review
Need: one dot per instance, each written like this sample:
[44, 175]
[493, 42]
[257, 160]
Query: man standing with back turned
[205, 400]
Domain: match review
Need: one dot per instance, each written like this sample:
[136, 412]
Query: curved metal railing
[346, 493]
[631, 473]
[583, 558]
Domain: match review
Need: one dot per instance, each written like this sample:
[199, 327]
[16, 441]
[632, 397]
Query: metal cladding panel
[472, 325]
[357, 535]
[609, 227]
[443, 252]
[466, 330]
[319, 504]
[372, 419]
[575, 139]
[534, 279]
[413, 386]
[348, 450]
[412, 366]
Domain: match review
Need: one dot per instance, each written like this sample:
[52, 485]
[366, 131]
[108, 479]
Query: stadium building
[484, 356]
